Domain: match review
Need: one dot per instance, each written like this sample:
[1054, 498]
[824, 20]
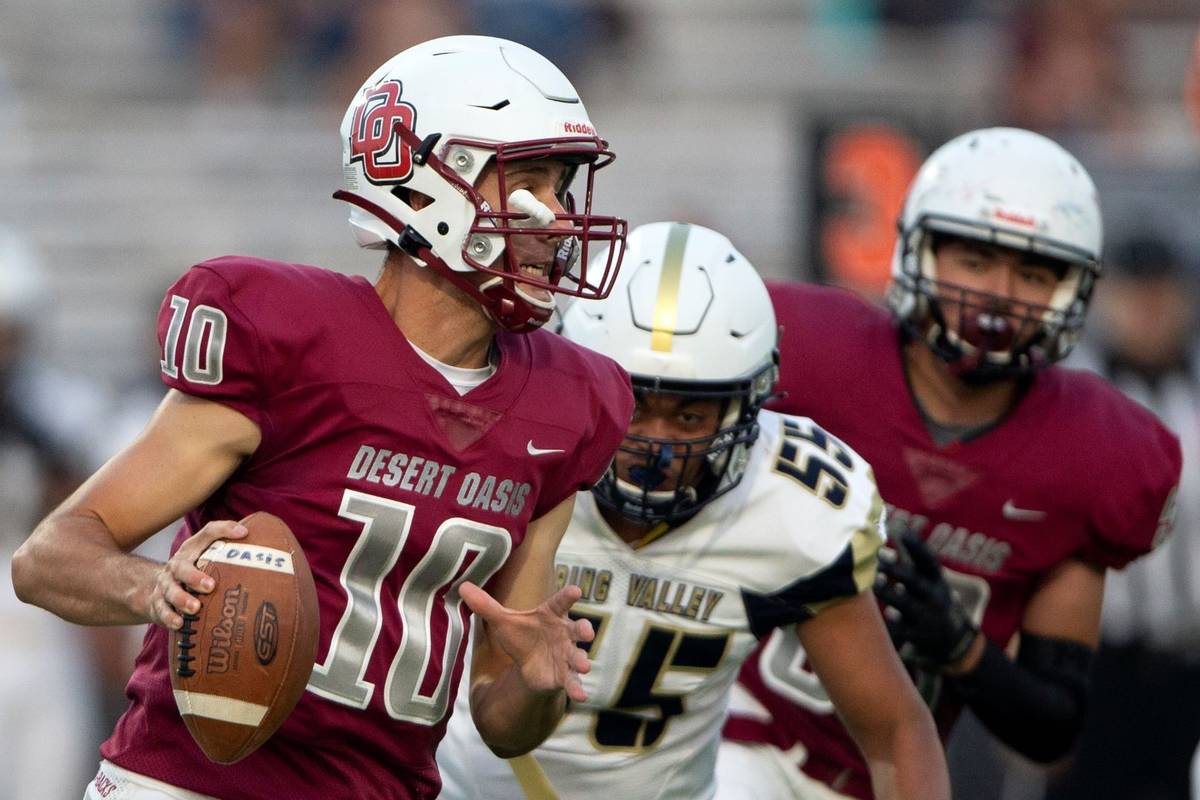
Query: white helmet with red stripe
[428, 122]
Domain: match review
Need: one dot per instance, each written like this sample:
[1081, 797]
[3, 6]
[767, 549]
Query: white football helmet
[689, 315]
[429, 121]
[1009, 187]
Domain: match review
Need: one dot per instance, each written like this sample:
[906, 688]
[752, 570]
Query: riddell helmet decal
[578, 128]
[375, 141]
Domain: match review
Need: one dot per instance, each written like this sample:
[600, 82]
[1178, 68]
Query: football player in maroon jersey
[400, 428]
[1012, 484]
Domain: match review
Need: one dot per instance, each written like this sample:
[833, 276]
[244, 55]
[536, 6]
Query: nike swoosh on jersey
[539, 451]
[1022, 514]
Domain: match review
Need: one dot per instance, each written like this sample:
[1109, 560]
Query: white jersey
[676, 618]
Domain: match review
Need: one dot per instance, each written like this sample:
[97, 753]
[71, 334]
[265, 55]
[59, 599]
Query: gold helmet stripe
[666, 307]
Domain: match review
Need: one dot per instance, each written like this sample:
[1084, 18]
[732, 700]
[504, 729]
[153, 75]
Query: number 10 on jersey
[417, 688]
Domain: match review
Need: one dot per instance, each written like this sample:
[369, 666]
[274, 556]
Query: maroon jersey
[397, 488]
[1074, 471]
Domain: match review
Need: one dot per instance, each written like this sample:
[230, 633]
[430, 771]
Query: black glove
[928, 615]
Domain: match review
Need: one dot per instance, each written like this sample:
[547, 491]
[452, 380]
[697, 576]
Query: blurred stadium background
[140, 136]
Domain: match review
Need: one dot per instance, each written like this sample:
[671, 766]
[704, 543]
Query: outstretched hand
[541, 642]
[928, 615]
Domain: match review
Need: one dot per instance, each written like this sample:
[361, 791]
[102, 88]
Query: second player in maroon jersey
[1011, 484]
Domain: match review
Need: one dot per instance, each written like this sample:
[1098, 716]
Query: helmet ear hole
[412, 198]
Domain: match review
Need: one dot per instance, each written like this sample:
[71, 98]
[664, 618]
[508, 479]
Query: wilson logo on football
[227, 633]
[374, 139]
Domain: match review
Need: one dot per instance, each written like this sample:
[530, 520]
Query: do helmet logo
[374, 138]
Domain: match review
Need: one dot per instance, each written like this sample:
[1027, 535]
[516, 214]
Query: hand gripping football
[240, 665]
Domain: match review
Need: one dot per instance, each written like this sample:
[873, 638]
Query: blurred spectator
[247, 48]
[1069, 74]
[568, 32]
[251, 49]
[1144, 716]
[12, 138]
[922, 13]
[1191, 86]
[138, 395]
[49, 719]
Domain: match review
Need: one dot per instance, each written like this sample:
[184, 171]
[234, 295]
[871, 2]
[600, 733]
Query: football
[240, 665]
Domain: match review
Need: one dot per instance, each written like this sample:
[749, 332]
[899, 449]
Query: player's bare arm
[1067, 605]
[526, 662]
[77, 562]
[849, 649]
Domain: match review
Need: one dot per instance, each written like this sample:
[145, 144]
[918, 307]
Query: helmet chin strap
[504, 302]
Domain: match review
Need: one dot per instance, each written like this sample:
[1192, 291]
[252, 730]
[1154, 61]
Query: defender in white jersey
[717, 523]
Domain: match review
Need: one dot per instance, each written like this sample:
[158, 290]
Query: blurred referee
[1144, 715]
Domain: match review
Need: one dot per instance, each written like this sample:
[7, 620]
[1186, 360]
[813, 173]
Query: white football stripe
[249, 555]
[225, 709]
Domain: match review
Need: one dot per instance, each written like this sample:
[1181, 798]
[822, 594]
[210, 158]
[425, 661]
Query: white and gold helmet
[688, 316]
